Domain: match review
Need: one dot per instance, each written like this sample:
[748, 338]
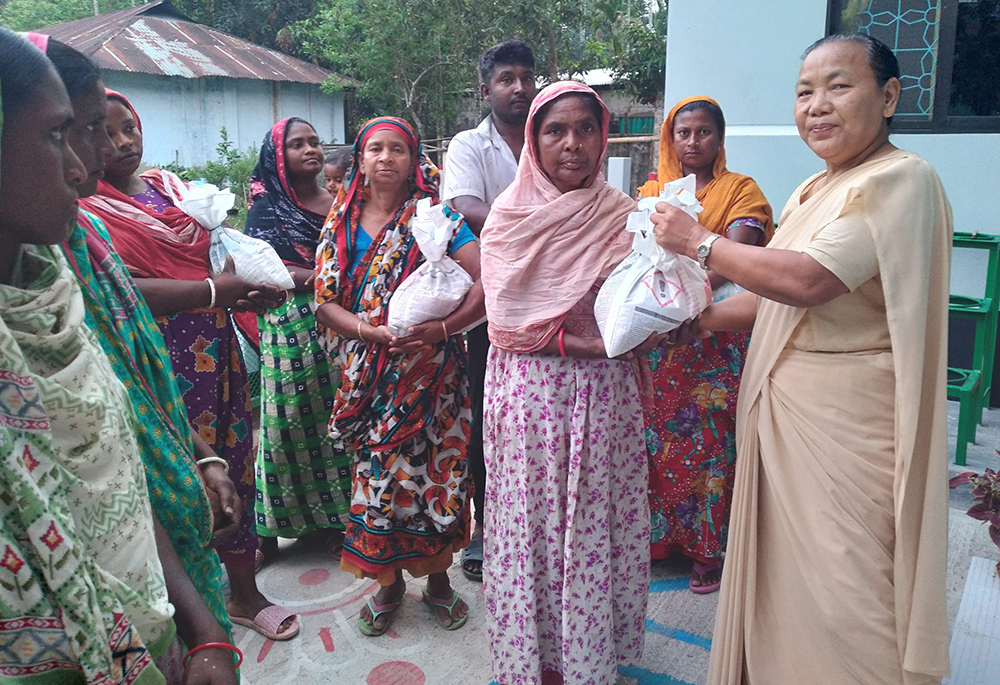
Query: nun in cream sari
[835, 570]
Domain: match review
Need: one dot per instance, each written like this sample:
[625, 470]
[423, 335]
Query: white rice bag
[255, 260]
[652, 290]
[437, 287]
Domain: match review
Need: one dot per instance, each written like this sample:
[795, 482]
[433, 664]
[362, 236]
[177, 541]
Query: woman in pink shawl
[566, 567]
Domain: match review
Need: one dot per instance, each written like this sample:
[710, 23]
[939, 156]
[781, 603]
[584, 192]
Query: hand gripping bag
[437, 287]
[652, 290]
[255, 260]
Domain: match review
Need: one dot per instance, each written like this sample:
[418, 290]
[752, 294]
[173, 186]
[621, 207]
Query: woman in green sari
[87, 573]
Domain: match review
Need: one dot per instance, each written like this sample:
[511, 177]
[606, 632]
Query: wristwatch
[705, 249]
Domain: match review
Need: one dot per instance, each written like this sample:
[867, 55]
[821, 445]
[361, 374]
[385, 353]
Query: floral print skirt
[212, 379]
[691, 436]
[566, 572]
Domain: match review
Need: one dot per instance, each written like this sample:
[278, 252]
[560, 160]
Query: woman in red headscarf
[166, 253]
[403, 406]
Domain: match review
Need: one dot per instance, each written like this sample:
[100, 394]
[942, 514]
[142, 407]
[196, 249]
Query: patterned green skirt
[303, 484]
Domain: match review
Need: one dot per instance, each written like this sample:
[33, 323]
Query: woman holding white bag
[166, 252]
[566, 572]
[403, 405]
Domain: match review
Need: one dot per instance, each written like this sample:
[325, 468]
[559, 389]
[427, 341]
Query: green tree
[27, 15]
[258, 21]
[411, 57]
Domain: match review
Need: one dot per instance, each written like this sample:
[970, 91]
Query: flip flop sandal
[268, 620]
[473, 553]
[377, 610]
[702, 570]
[434, 603]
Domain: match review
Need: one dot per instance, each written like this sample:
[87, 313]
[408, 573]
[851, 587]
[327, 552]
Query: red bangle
[214, 645]
[562, 347]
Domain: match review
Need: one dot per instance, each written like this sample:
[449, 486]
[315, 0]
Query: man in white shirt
[481, 163]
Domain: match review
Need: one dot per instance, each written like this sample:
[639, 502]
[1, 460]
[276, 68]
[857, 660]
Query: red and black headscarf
[276, 215]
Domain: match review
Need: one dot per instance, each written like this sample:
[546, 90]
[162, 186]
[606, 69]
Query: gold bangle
[361, 337]
[444, 327]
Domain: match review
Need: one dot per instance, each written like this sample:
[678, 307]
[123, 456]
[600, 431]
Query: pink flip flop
[702, 569]
[267, 622]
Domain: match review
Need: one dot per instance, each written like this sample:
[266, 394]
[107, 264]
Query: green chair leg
[964, 386]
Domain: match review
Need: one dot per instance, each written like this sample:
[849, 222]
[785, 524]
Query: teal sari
[128, 334]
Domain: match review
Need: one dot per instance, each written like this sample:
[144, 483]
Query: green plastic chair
[972, 387]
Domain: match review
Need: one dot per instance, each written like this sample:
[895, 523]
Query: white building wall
[182, 118]
[746, 55]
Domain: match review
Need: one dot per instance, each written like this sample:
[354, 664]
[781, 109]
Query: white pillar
[620, 173]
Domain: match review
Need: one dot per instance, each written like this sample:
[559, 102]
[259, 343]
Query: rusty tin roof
[159, 39]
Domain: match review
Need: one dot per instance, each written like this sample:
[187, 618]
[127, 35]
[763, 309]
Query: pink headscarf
[543, 250]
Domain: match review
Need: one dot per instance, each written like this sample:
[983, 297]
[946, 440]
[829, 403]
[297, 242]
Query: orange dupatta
[727, 198]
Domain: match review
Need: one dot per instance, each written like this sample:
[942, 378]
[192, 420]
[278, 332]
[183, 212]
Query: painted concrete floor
[330, 650]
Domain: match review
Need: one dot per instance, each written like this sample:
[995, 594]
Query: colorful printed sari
[691, 423]
[82, 594]
[303, 482]
[129, 336]
[407, 417]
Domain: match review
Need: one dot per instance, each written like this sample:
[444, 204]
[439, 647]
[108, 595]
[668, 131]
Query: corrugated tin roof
[158, 39]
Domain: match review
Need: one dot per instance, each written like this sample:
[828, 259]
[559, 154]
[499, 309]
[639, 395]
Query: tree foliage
[258, 21]
[418, 57]
[27, 15]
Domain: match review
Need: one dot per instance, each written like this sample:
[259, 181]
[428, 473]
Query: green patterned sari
[128, 334]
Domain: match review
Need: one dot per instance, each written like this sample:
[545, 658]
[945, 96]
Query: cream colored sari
[835, 573]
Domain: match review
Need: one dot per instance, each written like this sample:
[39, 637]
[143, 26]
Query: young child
[334, 169]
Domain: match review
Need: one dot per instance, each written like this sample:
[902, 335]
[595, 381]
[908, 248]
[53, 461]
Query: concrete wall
[181, 118]
[708, 52]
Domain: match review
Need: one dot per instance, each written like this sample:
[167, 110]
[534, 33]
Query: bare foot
[387, 594]
[439, 587]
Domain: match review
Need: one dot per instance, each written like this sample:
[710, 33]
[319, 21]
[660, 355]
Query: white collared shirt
[479, 163]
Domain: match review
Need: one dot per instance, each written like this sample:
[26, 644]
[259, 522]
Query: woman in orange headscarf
[691, 425]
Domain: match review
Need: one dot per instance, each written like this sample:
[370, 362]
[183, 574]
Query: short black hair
[78, 72]
[22, 70]
[513, 52]
[711, 108]
[591, 100]
[881, 58]
[341, 156]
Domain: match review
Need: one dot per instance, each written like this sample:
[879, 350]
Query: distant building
[187, 81]
[628, 116]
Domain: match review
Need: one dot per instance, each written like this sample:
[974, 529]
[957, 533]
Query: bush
[232, 170]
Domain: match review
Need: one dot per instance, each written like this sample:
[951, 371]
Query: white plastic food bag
[255, 260]
[438, 286]
[652, 290]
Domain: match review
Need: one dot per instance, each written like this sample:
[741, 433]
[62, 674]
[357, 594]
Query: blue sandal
[473, 553]
[436, 603]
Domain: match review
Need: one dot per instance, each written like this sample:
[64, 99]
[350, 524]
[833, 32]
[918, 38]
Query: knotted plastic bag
[652, 290]
[255, 260]
[437, 287]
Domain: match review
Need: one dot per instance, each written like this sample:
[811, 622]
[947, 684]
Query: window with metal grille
[949, 56]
